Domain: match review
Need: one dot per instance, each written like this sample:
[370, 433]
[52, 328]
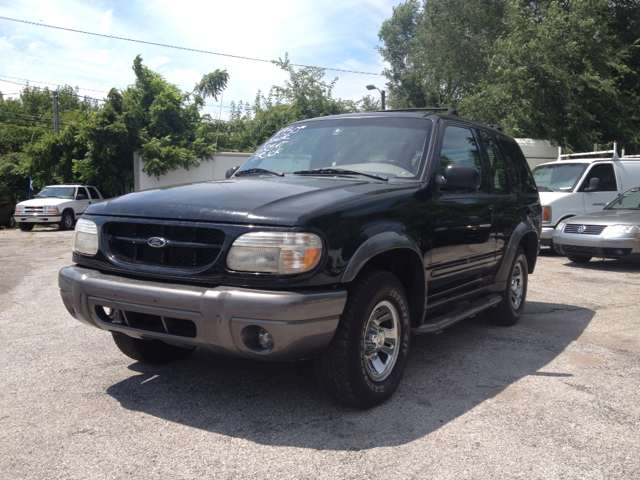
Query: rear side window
[459, 147]
[93, 193]
[523, 179]
[82, 191]
[606, 175]
[498, 172]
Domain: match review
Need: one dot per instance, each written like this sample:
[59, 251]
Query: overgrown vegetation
[565, 71]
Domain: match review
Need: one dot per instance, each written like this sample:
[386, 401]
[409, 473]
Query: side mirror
[594, 184]
[231, 171]
[458, 176]
[81, 196]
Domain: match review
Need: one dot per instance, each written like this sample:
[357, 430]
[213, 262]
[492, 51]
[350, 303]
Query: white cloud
[106, 19]
[5, 44]
[323, 33]
[156, 62]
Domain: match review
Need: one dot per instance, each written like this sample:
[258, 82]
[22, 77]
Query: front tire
[25, 227]
[363, 365]
[579, 258]
[149, 351]
[509, 310]
[66, 222]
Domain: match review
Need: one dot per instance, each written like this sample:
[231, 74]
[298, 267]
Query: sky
[322, 33]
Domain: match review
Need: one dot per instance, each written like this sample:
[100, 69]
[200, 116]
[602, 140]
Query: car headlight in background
[275, 252]
[19, 209]
[86, 237]
[560, 226]
[50, 209]
[616, 230]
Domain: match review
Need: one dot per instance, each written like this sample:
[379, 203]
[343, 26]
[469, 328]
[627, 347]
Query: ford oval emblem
[157, 242]
[581, 229]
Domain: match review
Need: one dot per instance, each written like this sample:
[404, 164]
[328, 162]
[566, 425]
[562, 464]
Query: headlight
[615, 230]
[275, 252]
[50, 209]
[19, 209]
[86, 237]
[560, 226]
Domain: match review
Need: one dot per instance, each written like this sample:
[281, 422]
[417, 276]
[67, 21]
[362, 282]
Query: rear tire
[509, 310]
[363, 365]
[579, 258]
[66, 222]
[149, 351]
[25, 227]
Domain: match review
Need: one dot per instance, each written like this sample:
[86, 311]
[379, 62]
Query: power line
[40, 88]
[51, 83]
[180, 48]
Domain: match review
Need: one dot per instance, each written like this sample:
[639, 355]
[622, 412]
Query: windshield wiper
[338, 171]
[545, 189]
[249, 171]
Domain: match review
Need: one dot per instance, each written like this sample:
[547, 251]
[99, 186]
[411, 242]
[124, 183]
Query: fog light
[617, 251]
[264, 339]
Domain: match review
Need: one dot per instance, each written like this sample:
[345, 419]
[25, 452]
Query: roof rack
[495, 126]
[569, 156]
[448, 110]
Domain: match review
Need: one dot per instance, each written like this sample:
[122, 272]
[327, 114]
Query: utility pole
[56, 121]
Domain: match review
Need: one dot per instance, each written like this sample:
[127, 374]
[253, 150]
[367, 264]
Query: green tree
[152, 117]
[565, 71]
[304, 95]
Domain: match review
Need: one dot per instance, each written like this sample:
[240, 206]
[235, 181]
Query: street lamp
[373, 87]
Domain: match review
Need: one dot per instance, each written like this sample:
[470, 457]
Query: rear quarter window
[523, 181]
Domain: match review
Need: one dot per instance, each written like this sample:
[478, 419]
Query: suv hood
[40, 202]
[286, 201]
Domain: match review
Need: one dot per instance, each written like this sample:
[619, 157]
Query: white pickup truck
[60, 204]
[574, 186]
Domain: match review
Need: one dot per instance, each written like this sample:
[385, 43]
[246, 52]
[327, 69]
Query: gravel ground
[553, 397]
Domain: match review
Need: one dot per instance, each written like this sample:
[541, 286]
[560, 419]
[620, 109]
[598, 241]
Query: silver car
[613, 232]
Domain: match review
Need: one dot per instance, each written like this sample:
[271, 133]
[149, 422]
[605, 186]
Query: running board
[438, 324]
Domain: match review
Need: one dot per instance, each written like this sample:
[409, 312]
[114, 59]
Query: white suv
[61, 204]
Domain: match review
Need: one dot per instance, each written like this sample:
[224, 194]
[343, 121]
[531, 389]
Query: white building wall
[213, 169]
[537, 151]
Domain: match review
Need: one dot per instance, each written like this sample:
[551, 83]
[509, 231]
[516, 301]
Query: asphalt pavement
[556, 396]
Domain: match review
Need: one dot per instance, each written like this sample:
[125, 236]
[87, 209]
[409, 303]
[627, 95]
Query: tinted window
[459, 147]
[523, 179]
[498, 171]
[82, 191]
[94, 194]
[606, 175]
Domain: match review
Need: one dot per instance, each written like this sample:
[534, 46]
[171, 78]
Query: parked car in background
[577, 185]
[614, 232]
[59, 204]
[7, 206]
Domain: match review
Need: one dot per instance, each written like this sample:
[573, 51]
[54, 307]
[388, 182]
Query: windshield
[388, 147]
[559, 178]
[57, 192]
[629, 200]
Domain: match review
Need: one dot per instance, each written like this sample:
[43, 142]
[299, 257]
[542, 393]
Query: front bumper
[222, 319]
[546, 236]
[596, 245]
[37, 218]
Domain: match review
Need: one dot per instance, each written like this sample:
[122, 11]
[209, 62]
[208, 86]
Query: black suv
[339, 238]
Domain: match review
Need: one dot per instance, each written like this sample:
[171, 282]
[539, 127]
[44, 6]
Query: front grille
[579, 250]
[586, 229]
[184, 246]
